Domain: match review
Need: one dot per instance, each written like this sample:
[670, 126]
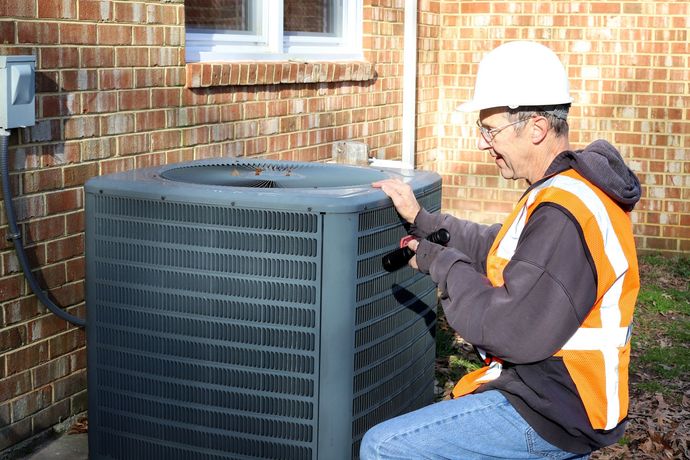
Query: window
[270, 30]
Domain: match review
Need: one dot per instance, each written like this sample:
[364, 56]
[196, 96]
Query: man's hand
[403, 198]
[413, 261]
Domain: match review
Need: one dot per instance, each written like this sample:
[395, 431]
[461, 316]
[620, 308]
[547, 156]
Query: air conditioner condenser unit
[239, 309]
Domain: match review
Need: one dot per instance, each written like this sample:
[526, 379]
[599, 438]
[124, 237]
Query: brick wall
[114, 94]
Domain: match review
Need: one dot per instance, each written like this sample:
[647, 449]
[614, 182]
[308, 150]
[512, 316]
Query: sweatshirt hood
[601, 164]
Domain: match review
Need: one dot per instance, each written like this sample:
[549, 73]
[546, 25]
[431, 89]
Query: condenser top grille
[261, 184]
[263, 174]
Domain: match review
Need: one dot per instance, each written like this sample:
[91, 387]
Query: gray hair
[557, 115]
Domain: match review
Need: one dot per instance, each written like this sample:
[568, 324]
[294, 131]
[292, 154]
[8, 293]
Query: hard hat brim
[469, 106]
[476, 106]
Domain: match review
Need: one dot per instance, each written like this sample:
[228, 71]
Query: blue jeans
[476, 426]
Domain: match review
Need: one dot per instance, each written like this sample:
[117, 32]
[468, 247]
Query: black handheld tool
[397, 259]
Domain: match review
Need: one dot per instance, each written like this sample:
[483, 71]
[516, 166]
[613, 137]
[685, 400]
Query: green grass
[667, 362]
[664, 300]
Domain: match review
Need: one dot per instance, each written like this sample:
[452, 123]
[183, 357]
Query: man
[547, 298]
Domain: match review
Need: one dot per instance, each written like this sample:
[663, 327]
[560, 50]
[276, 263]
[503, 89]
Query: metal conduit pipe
[16, 237]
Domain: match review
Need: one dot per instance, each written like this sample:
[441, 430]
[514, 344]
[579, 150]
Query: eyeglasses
[490, 134]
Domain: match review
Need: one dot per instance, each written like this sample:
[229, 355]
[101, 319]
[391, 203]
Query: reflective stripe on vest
[597, 355]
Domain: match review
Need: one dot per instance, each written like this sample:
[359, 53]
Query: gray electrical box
[17, 91]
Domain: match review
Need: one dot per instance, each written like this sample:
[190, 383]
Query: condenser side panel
[395, 320]
[202, 330]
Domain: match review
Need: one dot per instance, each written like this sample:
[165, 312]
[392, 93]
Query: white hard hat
[519, 73]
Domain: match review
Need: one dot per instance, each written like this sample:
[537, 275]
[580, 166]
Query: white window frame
[271, 44]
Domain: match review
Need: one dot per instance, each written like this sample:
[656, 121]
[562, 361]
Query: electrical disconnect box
[17, 91]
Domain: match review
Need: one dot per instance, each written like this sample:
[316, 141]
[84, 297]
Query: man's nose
[482, 143]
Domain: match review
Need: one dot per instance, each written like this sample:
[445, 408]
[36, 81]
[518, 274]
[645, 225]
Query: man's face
[511, 150]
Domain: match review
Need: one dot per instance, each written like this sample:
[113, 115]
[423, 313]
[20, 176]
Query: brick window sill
[208, 74]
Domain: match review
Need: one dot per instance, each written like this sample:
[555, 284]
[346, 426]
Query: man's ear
[540, 127]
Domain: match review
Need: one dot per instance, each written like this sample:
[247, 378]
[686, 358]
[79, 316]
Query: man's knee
[371, 441]
[379, 442]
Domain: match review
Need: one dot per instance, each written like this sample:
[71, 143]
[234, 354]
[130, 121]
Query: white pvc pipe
[409, 84]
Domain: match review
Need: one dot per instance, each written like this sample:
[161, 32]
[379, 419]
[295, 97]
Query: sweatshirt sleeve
[473, 240]
[550, 287]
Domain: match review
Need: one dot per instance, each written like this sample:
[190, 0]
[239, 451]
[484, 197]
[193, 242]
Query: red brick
[77, 360]
[174, 76]
[42, 180]
[182, 117]
[173, 15]
[52, 276]
[117, 165]
[15, 433]
[116, 79]
[36, 255]
[31, 403]
[67, 342]
[14, 385]
[130, 12]
[155, 14]
[661, 244]
[117, 123]
[135, 99]
[70, 385]
[12, 338]
[69, 294]
[195, 136]
[56, 105]
[65, 248]
[84, 79]
[65, 200]
[161, 140]
[43, 229]
[150, 121]
[47, 81]
[46, 418]
[255, 146]
[80, 127]
[147, 35]
[152, 159]
[136, 143]
[97, 56]
[10, 8]
[94, 149]
[146, 78]
[7, 30]
[10, 288]
[98, 102]
[166, 97]
[43, 130]
[75, 268]
[79, 402]
[50, 371]
[167, 56]
[190, 97]
[37, 32]
[64, 9]
[76, 34]
[59, 58]
[21, 310]
[132, 57]
[114, 35]
[75, 222]
[26, 358]
[95, 10]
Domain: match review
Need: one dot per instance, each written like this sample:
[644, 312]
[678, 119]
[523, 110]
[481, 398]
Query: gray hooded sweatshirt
[550, 287]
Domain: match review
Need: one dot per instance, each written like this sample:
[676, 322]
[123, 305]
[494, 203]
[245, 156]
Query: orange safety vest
[598, 354]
